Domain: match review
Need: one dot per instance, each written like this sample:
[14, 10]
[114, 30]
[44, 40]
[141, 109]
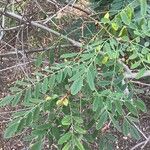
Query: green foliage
[112, 5]
[72, 102]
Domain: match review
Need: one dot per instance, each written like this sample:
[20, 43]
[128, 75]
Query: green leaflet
[125, 18]
[16, 99]
[131, 108]
[36, 146]
[36, 113]
[103, 118]
[125, 127]
[140, 73]
[133, 56]
[37, 89]
[22, 83]
[51, 56]
[118, 105]
[90, 80]
[78, 120]
[43, 126]
[29, 118]
[66, 120]
[97, 101]
[67, 146]
[78, 143]
[69, 55]
[59, 76]
[134, 132]
[56, 133]
[69, 71]
[77, 75]
[21, 124]
[79, 129]
[132, 119]
[52, 80]
[45, 85]
[6, 100]
[144, 7]
[11, 130]
[140, 105]
[27, 95]
[38, 132]
[15, 89]
[136, 64]
[87, 56]
[64, 138]
[76, 86]
[39, 60]
[115, 123]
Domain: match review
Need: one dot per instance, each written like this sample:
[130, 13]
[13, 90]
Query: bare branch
[133, 75]
[15, 66]
[2, 26]
[18, 17]
[139, 130]
[12, 28]
[144, 143]
[128, 73]
[140, 83]
[35, 50]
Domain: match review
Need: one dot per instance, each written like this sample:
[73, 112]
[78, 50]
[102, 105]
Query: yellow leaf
[65, 102]
[48, 98]
[98, 48]
[65, 60]
[62, 102]
[105, 60]
[115, 26]
[123, 31]
[59, 103]
[106, 15]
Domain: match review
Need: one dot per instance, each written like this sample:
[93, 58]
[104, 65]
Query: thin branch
[17, 65]
[129, 74]
[140, 83]
[18, 17]
[35, 50]
[9, 112]
[12, 28]
[8, 45]
[133, 75]
[140, 130]
[2, 25]
[79, 8]
[127, 69]
[138, 145]
[144, 143]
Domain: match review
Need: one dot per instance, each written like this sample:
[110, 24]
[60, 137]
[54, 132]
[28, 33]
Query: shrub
[75, 102]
